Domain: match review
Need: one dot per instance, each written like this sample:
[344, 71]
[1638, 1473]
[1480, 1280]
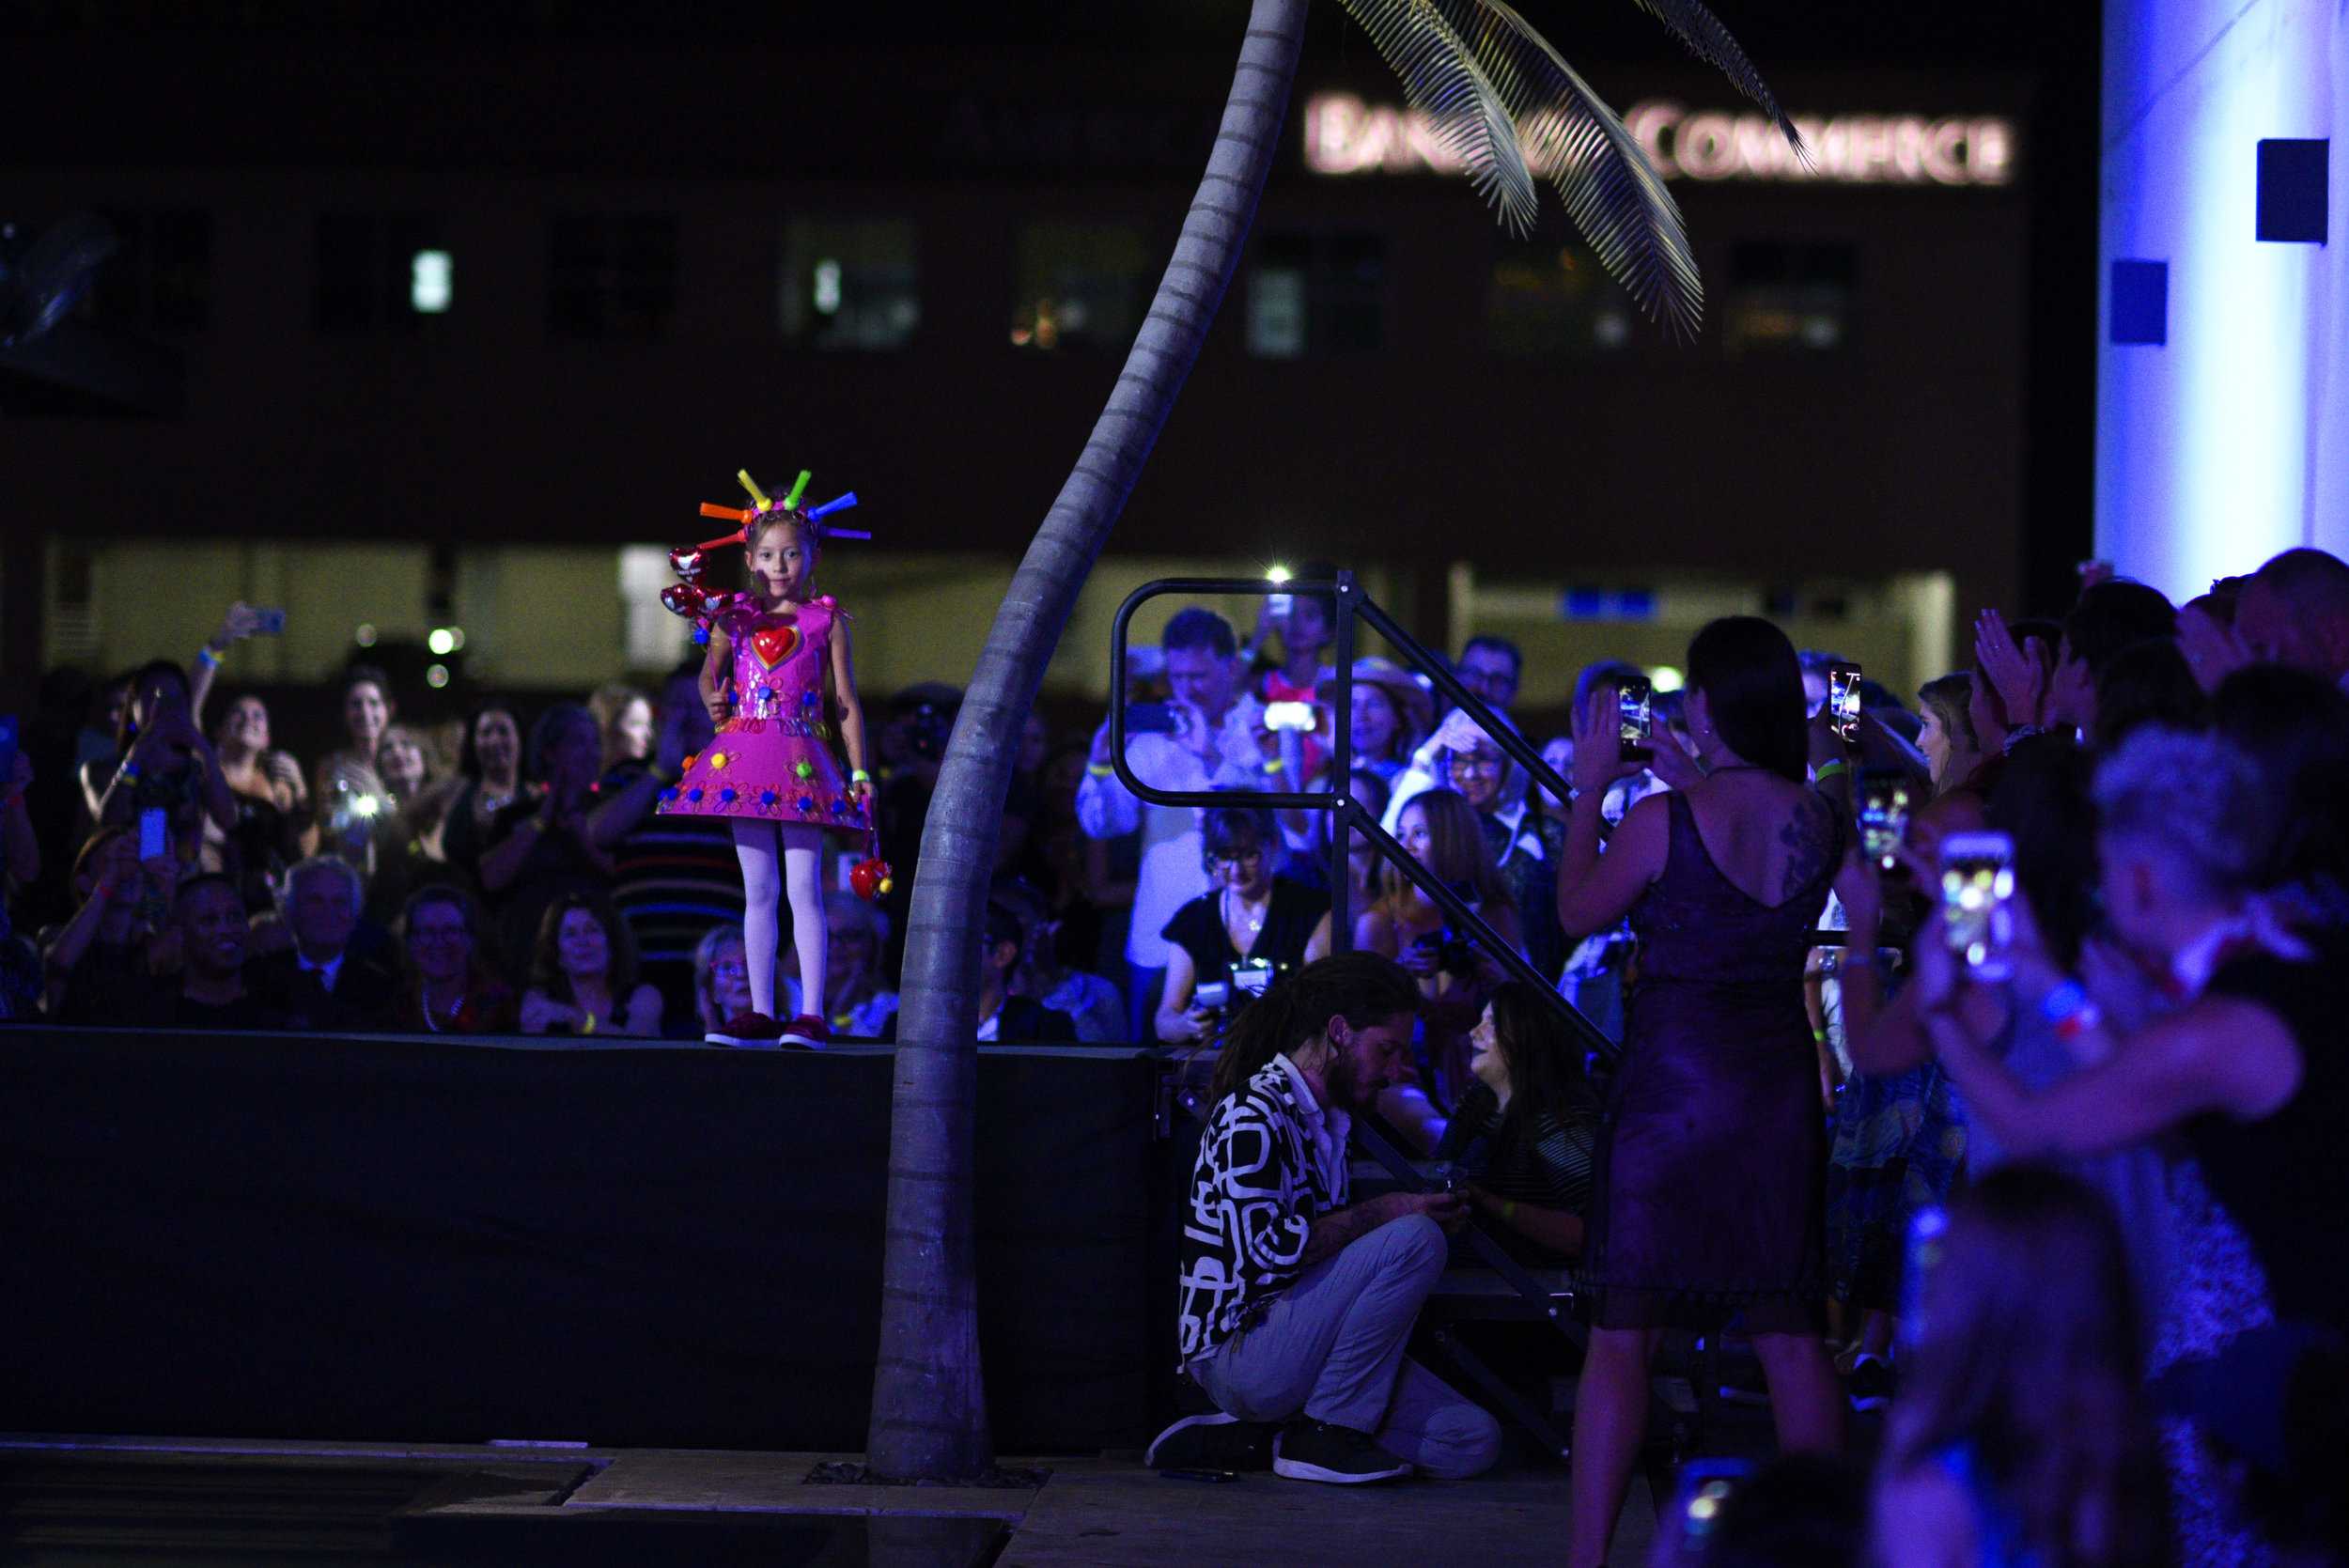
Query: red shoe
[809, 1030]
[745, 1028]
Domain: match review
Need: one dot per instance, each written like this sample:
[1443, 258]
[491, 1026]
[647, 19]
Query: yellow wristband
[1829, 769]
[1508, 1210]
[1100, 769]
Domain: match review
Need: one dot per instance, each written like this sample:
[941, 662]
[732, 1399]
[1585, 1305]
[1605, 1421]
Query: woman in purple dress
[1708, 1196]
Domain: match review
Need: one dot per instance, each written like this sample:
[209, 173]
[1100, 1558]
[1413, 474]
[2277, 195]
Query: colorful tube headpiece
[688, 597]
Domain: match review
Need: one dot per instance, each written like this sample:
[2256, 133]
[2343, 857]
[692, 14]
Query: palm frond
[1570, 135]
[1444, 80]
[1709, 40]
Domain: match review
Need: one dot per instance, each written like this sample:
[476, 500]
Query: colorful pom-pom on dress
[773, 761]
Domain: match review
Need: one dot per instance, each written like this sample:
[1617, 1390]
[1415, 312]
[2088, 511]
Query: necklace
[1254, 922]
[423, 1005]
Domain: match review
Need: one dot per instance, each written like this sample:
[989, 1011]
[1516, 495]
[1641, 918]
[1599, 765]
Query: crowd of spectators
[2171, 784]
[2056, 1173]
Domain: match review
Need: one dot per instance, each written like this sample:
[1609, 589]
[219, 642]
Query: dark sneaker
[1871, 1384]
[745, 1028]
[806, 1030]
[1308, 1450]
[1214, 1441]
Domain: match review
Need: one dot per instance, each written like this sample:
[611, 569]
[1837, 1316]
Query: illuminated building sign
[1345, 135]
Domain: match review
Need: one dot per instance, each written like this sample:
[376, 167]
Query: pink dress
[773, 760]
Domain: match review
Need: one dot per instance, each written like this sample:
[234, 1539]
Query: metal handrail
[1349, 813]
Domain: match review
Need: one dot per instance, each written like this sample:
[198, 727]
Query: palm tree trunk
[929, 1404]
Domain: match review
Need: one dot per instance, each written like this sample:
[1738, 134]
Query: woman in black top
[1249, 916]
[1524, 1134]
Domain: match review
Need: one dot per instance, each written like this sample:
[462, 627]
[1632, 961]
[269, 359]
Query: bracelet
[128, 772]
[206, 657]
[1099, 770]
[858, 775]
[1508, 1210]
[1274, 766]
[2069, 1009]
[2065, 999]
[1828, 770]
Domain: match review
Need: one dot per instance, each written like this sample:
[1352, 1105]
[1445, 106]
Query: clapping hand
[285, 777]
[2017, 672]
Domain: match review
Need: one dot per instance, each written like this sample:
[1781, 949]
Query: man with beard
[1295, 1305]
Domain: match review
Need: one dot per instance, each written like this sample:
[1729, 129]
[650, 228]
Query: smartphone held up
[1635, 709]
[1297, 717]
[1977, 891]
[1884, 794]
[1842, 700]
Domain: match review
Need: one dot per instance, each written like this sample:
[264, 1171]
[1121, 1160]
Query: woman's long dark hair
[2043, 801]
[546, 958]
[1364, 988]
[469, 756]
[1544, 1066]
[127, 727]
[1752, 686]
[2028, 1355]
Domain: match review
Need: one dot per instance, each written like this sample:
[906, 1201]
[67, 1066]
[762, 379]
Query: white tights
[764, 886]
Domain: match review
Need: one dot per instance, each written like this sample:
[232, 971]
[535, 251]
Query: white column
[2230, 441]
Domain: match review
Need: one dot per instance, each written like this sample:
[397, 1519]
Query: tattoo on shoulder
[1808, 841]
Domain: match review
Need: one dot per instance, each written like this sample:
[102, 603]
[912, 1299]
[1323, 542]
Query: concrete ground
[144, 1501]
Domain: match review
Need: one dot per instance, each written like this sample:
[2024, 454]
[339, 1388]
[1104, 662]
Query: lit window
[611, 274]
[847, 284]
[1790, 296]
[1316, 294]
[1079, 285]
[369, 277]
[1556, 302]
[428, 282]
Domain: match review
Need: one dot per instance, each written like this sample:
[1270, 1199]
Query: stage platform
[298, 1236]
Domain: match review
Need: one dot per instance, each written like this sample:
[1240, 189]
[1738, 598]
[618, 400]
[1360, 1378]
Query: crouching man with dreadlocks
[1295, 1305]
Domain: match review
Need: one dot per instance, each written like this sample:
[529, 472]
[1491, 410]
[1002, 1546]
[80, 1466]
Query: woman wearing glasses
[452, 989]
[721, 978]
[1247, 919]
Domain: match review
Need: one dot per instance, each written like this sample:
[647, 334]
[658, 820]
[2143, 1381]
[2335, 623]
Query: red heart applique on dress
[774, 643]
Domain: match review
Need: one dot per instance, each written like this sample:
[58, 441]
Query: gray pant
[1332, 1346]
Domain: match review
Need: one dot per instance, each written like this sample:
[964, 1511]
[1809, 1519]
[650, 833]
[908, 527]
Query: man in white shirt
[1295, 1303]
[1215, 744]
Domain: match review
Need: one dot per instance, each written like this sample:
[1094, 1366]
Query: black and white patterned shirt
[1270, 1162]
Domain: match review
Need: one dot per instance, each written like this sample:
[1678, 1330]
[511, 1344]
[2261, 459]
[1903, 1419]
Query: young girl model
[777, 674]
